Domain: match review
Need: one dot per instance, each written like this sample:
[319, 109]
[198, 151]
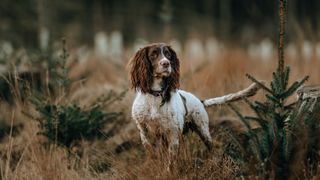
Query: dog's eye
[167, 54]
[153, 55]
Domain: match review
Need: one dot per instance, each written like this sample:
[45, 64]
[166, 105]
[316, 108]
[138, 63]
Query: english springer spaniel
[161, 110]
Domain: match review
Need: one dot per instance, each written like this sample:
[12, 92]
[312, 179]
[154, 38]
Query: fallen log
[248, 92]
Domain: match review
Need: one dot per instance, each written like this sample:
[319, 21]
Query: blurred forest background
[39, 23]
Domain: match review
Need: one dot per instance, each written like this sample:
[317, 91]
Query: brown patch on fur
[141, 71]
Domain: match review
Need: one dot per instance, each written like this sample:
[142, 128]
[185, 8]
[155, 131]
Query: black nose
[165, 64]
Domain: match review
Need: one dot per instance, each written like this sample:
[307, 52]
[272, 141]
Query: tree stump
[309, 95]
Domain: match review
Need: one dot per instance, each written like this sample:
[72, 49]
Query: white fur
[169, 118]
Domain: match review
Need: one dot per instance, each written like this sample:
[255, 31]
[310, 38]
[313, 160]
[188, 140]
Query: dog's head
[156, 60]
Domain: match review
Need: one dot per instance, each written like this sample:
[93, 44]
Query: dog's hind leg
[200, 125]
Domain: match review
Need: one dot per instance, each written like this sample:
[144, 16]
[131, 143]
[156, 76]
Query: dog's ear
[141, 71]
[175, 65]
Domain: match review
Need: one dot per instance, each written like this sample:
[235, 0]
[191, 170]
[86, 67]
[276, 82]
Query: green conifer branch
[276, 83]
[293, 88]
[286, 76]
[259, 83]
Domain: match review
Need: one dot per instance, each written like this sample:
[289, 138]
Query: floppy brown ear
[175, 65]
[141, 71]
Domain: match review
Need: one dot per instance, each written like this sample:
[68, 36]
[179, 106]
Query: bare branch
[248, 92]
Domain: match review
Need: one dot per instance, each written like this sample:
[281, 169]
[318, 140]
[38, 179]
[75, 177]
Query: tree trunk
[43, 25]
[225, 18]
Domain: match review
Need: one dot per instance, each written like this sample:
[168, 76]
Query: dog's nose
[165, 63]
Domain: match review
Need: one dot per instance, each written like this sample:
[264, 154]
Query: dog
[160, 108]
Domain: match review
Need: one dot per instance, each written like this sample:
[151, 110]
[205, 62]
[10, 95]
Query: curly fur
[141, 73]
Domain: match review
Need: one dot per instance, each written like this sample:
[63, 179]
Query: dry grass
[23, 156]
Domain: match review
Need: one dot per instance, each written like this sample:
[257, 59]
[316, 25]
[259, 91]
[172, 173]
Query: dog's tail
[248, 92]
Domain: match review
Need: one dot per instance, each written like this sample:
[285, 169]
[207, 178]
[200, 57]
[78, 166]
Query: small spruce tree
[273, 145]
[65, 123]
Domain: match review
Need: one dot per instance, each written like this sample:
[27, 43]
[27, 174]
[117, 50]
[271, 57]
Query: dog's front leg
[173, 147]
[143, 135]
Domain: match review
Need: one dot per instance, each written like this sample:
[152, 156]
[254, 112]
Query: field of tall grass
[25, 153]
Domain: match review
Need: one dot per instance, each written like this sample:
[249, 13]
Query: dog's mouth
[163, 72]
[167, 70]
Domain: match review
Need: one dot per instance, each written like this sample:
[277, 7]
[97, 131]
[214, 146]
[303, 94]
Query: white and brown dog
[160, 108]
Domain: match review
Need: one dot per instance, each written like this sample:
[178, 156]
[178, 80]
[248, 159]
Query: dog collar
[157, 93]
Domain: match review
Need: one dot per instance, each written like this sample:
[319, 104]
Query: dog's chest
[157, 112]
[147, 109]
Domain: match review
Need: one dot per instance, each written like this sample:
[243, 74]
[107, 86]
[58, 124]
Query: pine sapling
[272, 147]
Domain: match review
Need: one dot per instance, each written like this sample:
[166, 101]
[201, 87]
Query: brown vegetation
[25, 156]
